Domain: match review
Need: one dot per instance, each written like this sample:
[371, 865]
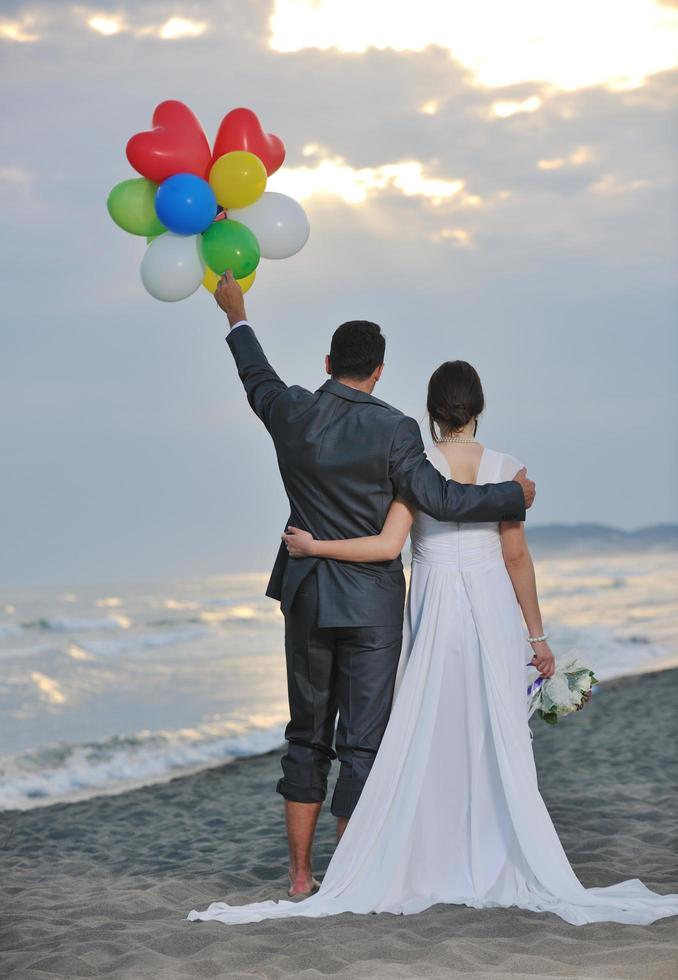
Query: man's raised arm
[262, 384]
[418, 482]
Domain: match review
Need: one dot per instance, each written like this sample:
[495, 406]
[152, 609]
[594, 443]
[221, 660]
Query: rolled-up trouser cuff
[305, 770]
[300, 794]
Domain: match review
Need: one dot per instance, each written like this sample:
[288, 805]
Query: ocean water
[106, 688]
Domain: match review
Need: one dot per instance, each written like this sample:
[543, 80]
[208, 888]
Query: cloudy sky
[489, 181]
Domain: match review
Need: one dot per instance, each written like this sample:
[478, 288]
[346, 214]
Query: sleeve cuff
[240, 323]
[519, 512]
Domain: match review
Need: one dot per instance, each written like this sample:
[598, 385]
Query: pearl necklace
[456, 439]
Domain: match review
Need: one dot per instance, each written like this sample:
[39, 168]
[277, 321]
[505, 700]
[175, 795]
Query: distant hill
[550, 539]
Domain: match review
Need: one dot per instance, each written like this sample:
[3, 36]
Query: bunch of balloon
[205, 210]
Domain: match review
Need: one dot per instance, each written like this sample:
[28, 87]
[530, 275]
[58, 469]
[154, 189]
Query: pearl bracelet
[537, 639]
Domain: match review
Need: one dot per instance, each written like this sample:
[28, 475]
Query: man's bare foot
[301, 886]
[301, 819]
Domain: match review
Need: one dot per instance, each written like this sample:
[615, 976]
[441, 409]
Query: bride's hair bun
[455, 416]
[455, 396]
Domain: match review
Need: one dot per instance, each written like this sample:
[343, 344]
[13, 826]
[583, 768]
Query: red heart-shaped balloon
[177, 144]
[241, 130]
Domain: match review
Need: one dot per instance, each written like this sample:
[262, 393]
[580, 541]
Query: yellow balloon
[238, 179]
[247, 281]
[211, 280]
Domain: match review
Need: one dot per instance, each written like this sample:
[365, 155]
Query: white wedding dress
[451, 811]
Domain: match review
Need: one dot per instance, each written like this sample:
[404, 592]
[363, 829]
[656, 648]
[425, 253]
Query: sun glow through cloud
[177, 27]
[505, 109]
[173, 29]
[577, 158]
[569, 44]
[18, 30]
[334, 177]
[106, 25]
[455, 236]
[612, 185]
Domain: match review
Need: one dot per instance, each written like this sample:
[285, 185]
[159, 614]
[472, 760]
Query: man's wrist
[236, 317]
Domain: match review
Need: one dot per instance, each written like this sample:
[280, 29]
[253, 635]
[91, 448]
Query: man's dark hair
[357, 350]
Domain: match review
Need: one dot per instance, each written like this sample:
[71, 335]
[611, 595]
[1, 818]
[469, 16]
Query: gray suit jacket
[343, 457]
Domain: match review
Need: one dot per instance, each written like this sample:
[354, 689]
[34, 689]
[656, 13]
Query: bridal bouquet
[566, 691]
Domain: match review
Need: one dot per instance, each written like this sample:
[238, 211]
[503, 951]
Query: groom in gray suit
[343, 457]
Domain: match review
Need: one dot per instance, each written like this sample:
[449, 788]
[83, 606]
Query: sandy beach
[102, 887]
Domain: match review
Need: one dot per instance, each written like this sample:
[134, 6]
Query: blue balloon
[185, 204]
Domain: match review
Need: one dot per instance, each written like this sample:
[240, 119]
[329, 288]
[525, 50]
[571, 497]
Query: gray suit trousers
[350, 670]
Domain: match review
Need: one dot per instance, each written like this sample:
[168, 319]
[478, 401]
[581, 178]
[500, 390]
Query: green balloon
[131, 204]
[230, 245]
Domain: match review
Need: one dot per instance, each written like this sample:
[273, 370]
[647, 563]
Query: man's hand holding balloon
[229, 297]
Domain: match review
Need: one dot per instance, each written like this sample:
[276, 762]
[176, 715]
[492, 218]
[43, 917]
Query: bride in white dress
[451, 811]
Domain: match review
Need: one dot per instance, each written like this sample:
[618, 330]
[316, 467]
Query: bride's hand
[543, 659]
[298, 543]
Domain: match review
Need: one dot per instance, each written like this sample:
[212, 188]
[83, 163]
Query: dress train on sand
[452, 811]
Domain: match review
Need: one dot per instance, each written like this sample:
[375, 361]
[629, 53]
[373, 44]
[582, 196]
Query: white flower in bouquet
[566, 691]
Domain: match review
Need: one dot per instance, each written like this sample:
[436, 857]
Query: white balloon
[172, 268]
[279, 224]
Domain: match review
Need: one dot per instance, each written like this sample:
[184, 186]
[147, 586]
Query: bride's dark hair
[455, 396]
